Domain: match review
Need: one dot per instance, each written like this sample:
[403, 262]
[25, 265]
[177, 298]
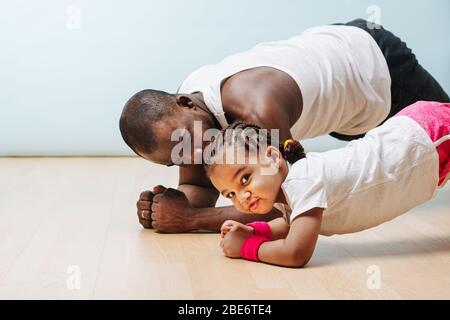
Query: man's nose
[197, 156]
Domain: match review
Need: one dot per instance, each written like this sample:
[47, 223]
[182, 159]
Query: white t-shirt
[392, 169]
[341, 72]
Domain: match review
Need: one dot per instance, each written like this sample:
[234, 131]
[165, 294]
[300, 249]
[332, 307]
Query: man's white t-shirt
[394, 168]
[340, 70]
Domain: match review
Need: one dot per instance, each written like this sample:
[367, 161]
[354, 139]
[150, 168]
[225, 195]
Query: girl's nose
[246, 196]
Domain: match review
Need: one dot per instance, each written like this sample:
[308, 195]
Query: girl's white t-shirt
[372, 180]
[340, 70]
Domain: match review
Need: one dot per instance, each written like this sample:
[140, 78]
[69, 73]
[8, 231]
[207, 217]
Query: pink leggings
[434, 117]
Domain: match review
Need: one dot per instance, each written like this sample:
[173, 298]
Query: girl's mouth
[254, 204]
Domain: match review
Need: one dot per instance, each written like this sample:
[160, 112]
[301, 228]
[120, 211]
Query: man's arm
[197, 187]
[213, 218]
[191, 207]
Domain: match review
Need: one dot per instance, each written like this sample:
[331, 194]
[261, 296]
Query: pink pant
[434, 117]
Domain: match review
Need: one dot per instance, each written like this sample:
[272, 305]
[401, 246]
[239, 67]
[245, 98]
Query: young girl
[394, 168]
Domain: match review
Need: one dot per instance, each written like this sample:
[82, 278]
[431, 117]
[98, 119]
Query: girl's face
[253, 188]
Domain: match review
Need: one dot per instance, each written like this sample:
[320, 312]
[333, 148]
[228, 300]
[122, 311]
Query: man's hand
[144, 205]
[234, 234]
[171, 211]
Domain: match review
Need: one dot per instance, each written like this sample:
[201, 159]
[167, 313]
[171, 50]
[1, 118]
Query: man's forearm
[198, 196]
[213, 218]
[206, 217]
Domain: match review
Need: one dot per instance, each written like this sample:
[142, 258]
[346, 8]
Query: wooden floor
[68, 230]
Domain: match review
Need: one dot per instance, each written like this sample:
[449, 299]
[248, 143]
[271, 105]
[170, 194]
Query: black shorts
[410, 82]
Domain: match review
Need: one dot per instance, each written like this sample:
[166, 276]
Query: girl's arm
[298, 247]
[279, 228]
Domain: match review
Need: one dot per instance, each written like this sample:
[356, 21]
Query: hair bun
[292, 150]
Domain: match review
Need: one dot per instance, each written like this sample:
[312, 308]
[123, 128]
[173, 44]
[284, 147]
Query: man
[342, 80]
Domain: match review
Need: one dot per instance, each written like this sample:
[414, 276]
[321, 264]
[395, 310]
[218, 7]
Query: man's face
[179, 140]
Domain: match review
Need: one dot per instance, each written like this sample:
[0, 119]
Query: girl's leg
[434, 117]
[443, 149]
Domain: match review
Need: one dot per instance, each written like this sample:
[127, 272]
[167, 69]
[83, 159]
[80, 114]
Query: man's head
[150, 117]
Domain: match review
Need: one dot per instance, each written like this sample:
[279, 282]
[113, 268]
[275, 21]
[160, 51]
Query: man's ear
[184, 101]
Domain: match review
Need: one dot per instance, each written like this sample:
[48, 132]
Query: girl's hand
[234, 235]
[228, 225]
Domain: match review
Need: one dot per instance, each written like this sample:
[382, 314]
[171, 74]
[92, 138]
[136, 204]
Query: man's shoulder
[252, 84]
[263, 77]
[256, 90]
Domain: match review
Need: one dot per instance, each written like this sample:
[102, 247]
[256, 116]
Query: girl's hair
[252, 136]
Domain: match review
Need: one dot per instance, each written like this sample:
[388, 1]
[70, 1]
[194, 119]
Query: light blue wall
[62, 89]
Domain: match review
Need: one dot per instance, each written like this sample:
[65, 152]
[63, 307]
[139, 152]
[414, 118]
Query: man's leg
[410, 81]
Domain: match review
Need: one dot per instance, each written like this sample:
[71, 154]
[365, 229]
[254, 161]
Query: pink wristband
[261, 229]
[250, 247]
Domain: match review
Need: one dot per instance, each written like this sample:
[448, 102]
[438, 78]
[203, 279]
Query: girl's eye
[230, 195]
[245, 178]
